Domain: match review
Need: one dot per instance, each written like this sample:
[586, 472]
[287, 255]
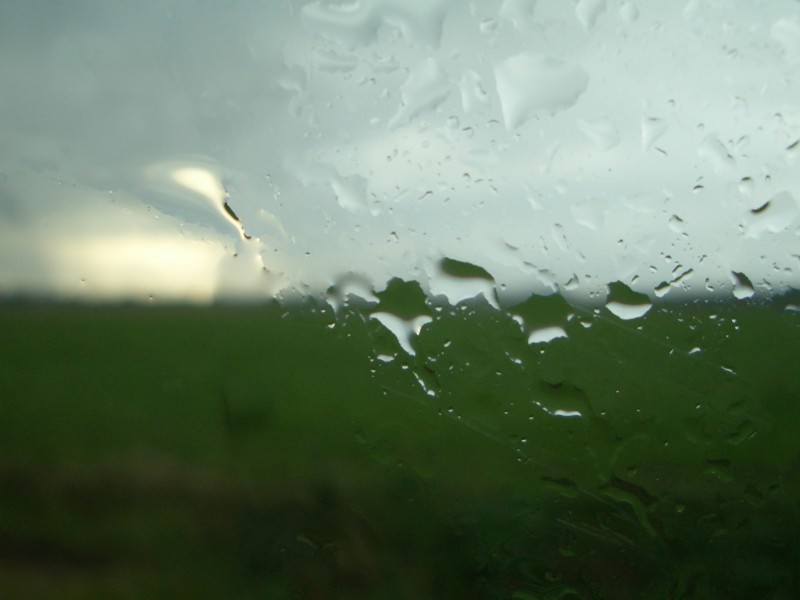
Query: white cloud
[373, 139]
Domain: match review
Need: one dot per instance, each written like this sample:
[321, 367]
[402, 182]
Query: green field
[279, 451]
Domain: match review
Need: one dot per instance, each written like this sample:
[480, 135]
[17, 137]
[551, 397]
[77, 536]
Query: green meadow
[290, 451]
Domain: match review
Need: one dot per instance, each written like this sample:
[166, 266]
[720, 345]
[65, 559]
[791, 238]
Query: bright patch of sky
[191, 151]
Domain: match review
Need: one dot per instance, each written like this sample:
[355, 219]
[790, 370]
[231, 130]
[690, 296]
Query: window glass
[419, 298]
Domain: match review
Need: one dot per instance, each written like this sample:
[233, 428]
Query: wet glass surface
[417, 299]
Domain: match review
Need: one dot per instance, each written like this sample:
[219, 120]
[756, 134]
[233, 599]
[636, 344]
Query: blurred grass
[264, 452]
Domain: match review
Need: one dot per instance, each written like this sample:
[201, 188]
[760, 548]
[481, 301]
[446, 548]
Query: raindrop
[652, 129]
[573, 283]
[676, 224]
[746, 186]
[588, 11]
[546, 334]
[473, 93]
[742, 286]
[714, 151]
[425, 89]
[625, 303]
[627, 312]
[773, 216]
[351, 192]
[459, 281]
[528, 83]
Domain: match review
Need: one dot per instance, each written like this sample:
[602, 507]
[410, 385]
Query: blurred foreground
[274, 452]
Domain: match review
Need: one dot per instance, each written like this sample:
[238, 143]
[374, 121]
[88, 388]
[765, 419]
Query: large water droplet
[625, 303]
[459, 281]
[425, 89]
[774, 216]
[405, 330]
[715, 152]
[562, 399]
[546, 334]
[404, 299]
[350, 287]
[528, 83]
[473, 93]
[746, 186]
[627, 312]
[351, 192]
[588, 11]
[677, 224]
[742, 286]
[652, 129]
[542, 312]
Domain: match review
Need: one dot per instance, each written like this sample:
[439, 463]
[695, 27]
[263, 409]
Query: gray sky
[559, 145]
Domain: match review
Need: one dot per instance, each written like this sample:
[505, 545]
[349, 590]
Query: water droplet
[573, 283]
[588, 11]
[627, 312]
[569, 414]
[742, 286]
[425, 89]
[662, 289]
[546, 334]
[652, 129]
[746, 186]
[625, 303]
[404, 330]
[676, 224]
[528, 83]
[714, 151]
[351, 192]
[459, 281]
[774, 216]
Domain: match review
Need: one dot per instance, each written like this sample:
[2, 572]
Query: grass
[265, 451]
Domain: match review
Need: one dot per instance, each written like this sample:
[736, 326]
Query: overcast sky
[190, 150]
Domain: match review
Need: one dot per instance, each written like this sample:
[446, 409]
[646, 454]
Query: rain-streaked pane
[383, 298]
